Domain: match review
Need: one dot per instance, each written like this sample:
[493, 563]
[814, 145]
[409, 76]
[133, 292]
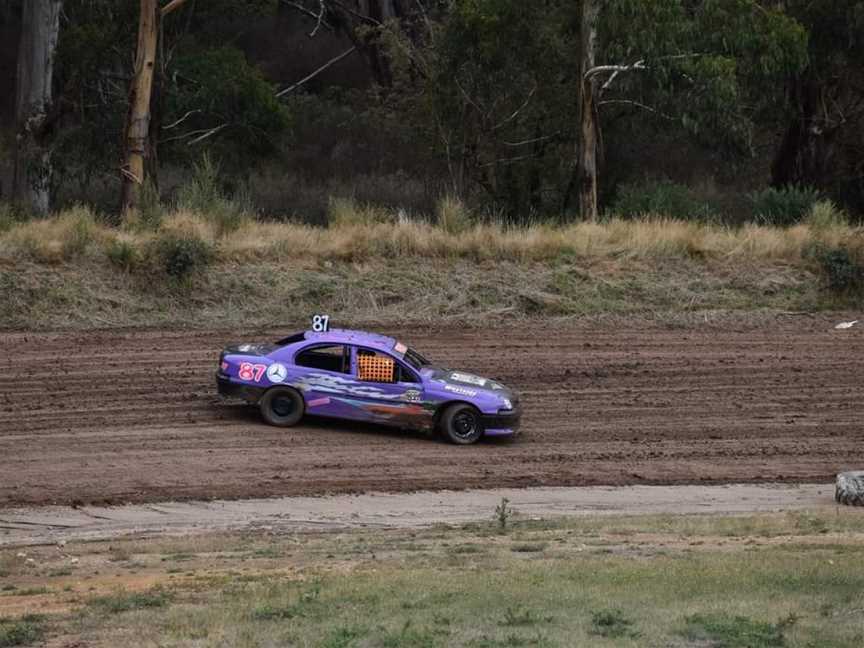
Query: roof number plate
[320, 323]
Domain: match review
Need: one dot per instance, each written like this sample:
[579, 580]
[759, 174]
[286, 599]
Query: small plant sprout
[503, 513]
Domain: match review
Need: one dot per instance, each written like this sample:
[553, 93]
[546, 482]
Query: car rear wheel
[461, 424]
[282, 406]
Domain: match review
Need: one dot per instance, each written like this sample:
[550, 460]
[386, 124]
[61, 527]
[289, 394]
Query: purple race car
[364, 377]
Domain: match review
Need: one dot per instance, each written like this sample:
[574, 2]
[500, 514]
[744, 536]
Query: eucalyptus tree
[823, 134]
[528, 86]
[34, 114]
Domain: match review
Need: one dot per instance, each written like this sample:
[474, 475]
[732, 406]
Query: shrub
[79, 233]
[53, 240]
[664, 198]
[151, 207]
[272, 612]
[122, 254]
[343, 211]
[612, 624]
[825, 215]
[528, 547]
[20, 632]
[782, 207]
[181, 254]
[346, 211]
[204, 195]
[842, 269]
[503, 513]
[737, 632]
[7, 217]
[123, 602]
[453, 215]
[518, 617]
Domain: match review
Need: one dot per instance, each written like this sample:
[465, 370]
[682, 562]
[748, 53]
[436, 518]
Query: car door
[388, 391]
[324, 377]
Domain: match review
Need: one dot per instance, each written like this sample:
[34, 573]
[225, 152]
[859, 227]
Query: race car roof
[345, 336]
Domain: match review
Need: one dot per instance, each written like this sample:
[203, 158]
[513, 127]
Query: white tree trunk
[138, 123]
[40, 25]
[588, 140]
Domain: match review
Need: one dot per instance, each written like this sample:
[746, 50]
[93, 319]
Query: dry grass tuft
[346, 211]
[359, 234]
[74, 233]
[453, 215]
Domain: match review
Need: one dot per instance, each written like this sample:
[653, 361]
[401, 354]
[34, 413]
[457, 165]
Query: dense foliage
[476, 98]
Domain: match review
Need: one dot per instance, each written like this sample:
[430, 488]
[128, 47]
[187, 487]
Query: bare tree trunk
[387, 10]
[40, 25]
[808, 150]
[587, 142]
[137, 142]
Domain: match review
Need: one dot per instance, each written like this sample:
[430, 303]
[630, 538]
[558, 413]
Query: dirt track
[131, 415]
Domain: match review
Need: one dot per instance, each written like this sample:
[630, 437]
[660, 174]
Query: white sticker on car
[471, 379]
[463, 391]
[276, 372]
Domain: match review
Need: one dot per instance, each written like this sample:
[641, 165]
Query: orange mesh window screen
[375, 368]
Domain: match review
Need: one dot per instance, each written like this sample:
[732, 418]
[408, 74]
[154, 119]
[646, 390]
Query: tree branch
[511, 160]
[172, 6]
[210, 132]
[311, 76]
[638, 65]
[518, 110]
[533, 140]
[181, 120]
[311, 14]
[202, 133]
[357, 14]
[628, 102]
[319, 18]
[614, 69]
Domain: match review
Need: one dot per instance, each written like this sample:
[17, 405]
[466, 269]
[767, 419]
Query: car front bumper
[502, 423]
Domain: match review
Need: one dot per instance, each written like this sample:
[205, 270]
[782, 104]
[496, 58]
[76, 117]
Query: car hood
[467, 382]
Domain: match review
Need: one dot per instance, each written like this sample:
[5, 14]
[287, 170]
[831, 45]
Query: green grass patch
[516, 617]
[528, 547]
[344, 637]
[468, 549]
[671, 581]
[123, 602]
[273, 612]
[738, 631]
[612, 624]
[21, 632]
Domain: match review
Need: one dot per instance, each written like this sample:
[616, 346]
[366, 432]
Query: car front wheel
[282, 406]
[461, 424]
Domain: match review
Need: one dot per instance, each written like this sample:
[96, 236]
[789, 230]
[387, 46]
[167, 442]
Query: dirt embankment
[131, 415]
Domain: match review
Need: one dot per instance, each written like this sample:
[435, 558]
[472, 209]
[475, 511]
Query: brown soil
[126, 416]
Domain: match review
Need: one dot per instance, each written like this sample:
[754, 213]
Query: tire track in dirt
[131, 415]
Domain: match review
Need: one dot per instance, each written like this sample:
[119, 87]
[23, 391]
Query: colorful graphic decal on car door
[389, 402]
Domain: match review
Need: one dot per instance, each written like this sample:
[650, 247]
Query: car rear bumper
[501, 424]
[230, 389]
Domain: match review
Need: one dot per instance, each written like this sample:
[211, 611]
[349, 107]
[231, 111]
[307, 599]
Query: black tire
[282, 406]
[849, 488]
[461, 424]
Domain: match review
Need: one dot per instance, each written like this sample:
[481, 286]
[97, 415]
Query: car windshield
[415, 359]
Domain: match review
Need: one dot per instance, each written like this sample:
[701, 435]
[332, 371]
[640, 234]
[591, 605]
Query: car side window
[331, 357]
[373, 366]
